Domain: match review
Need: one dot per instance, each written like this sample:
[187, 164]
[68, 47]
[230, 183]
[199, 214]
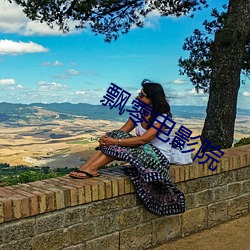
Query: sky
[40, 64]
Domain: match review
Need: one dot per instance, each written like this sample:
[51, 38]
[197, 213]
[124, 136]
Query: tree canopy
[198, 66]
[108, 17]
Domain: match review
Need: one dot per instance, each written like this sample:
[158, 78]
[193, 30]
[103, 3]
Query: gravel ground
[232, 235]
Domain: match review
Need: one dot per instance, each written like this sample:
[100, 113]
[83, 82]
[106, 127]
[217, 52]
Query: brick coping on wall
[39, 197]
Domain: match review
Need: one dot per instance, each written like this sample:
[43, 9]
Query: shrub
[242, 142]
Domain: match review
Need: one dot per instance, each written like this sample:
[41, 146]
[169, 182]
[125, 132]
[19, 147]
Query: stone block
[220, 193]
[105, 224]
[136, 238]
[190, 203]
[194, 220]
[18, 230]
[247, 171]
[130, 217]
[196, 185]
[76, 247]
[49, 222]
[166, 228]
[80, 233]
[238, 206]
[182, 186]
[245, 186]
[204, 198]
[217, 213]
[24, 244]
[53, 240]
[240, 174]
[99, 208]
[74, 215]
[234, 189]
[107, 242]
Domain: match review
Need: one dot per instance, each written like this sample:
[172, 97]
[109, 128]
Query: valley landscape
[65, 135]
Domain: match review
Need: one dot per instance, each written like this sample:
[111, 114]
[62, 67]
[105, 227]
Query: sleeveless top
[175, 156]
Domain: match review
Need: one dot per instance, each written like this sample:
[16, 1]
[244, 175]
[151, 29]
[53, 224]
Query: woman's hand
[107, 141]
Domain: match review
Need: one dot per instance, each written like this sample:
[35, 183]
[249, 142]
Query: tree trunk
[227, 56]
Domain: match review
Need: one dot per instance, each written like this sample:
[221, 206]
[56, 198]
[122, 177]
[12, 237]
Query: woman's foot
[83, 173]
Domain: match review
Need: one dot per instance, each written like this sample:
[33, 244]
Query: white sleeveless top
[175, 156]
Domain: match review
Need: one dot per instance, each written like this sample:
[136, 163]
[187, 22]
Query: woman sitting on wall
[148, 155]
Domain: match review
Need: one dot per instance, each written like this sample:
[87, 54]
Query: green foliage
[242, 142]
[108, 17]
[23, 174]
[198, 66]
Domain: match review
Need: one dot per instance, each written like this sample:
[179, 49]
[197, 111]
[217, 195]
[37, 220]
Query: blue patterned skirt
[149, 173]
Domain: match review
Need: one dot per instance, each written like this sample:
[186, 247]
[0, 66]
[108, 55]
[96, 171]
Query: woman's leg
[92, 159]
[98, 160]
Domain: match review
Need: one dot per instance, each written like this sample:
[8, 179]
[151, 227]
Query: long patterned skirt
[149, 173]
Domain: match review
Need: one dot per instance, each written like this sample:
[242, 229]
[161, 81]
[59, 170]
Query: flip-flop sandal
[87, 175]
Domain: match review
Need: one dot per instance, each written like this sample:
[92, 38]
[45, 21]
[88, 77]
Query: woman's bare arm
[128, 126]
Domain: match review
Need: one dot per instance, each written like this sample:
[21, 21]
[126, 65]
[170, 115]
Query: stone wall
[105, 212]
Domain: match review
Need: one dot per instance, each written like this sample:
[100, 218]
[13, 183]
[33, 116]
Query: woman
[148, 156]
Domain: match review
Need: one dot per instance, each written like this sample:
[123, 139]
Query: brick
[166, 228]
[192, 171]
[88, 193]
[33, 201]
[115, 188]
[59, 198]
[121, 185]
[41, 201]
[186, 172]
[101, 191]
[110, 242]
[25, 204]
[17, 212]
[182, 174]
[194, 220]
[225, 163]
[7, 209]
[66, 195]
[1, 211]
[217, 213]
[172, 173]
[108, 188]
[138, 237]
[127, 185]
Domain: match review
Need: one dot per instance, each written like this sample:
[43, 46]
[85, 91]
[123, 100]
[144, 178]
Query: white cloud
[246, 93]
[51, 86]
[178, 81]
[80, 92]
[13, 20]
[7, 82]
[55, 63]
[15, 48]
[73, 72]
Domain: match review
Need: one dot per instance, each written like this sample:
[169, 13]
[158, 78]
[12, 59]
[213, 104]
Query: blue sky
[38, 64]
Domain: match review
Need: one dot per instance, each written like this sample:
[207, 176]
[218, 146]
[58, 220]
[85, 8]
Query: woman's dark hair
[155, 92]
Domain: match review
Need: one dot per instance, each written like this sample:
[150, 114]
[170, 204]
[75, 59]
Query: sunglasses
[140, 94]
